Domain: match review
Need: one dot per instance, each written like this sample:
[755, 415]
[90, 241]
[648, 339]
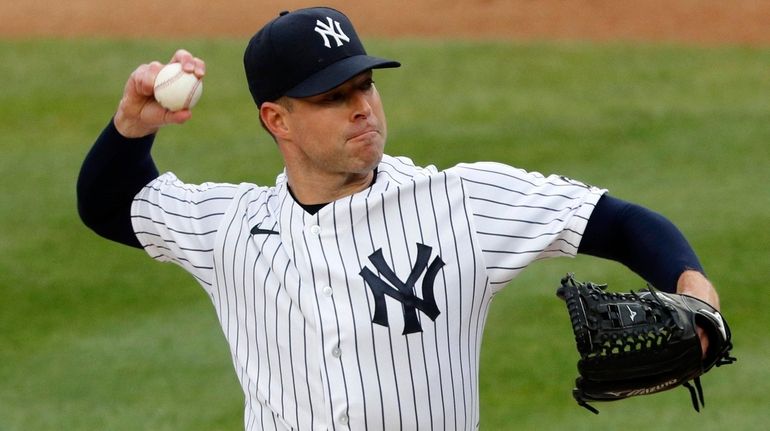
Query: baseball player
[353, 292]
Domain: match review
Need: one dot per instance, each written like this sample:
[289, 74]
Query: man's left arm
[650, 245]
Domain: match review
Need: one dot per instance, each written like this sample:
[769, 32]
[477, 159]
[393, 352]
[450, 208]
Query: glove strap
[696, 394]
[588, 407]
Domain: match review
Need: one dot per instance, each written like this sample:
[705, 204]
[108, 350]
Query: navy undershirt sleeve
[114, 171]
[646, 242]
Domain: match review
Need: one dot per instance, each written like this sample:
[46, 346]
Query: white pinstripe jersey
[369, 314]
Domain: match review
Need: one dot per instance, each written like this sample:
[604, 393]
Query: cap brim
[339, 72]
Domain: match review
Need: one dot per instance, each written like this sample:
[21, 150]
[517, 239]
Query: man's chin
[368, 162]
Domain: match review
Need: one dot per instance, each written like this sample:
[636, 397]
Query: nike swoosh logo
[256, 230]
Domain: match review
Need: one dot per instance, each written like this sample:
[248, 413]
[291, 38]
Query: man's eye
[333, 97]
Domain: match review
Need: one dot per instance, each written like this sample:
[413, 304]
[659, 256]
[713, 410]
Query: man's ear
[274, 116]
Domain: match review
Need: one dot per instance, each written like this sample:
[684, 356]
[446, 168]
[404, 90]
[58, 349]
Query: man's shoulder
[401, 169]
[485, 168]
[170, 185]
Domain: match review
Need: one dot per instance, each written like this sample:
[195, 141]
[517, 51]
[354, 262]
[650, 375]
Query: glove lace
[650, 337]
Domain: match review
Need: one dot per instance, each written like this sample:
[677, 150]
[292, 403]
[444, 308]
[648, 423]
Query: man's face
[342, 131]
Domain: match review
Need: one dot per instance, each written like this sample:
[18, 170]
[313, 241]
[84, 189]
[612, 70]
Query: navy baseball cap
[304, 53]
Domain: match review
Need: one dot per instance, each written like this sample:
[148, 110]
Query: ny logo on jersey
[403, 291]
[328, 29]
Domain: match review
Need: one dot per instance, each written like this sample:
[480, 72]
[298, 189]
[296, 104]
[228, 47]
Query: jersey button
[336, 352]
[315, 229]
[327, 291]
[344, 419]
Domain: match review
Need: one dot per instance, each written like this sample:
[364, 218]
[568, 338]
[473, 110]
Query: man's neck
[310, 192]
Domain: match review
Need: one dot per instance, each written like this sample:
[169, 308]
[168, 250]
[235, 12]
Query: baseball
[176, 89]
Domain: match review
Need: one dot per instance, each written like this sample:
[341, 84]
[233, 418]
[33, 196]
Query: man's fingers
[140, 88]
[142, 80]
[181, 56]
[200, 67]
[189, 62]
[177, 117]
[139, 114]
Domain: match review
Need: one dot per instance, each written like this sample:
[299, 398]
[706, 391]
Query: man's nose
[360, 105]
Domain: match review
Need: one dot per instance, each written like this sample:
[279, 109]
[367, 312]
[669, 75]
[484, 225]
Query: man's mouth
[366, 133]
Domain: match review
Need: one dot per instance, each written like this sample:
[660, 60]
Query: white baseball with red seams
[176, 89]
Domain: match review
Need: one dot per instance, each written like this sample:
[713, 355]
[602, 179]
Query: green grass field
[95, 336]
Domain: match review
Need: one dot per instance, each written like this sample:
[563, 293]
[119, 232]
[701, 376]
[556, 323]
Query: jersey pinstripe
[368, 314]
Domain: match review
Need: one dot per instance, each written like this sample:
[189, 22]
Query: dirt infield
[683, 21]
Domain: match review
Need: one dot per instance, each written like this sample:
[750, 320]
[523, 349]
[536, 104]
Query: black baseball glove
[641, 343]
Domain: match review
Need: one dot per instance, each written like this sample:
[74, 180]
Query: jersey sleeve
[178, 222]
[521, 217]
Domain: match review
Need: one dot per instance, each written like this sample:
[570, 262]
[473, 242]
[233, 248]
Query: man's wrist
[128, 128]
[694, 283]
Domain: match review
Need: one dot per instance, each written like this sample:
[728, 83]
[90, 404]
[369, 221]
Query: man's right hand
[139, 114]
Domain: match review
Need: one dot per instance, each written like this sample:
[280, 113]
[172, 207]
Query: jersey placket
[318, 238]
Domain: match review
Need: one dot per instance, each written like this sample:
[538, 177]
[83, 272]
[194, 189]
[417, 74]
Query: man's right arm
[119, 163]
[114, 171]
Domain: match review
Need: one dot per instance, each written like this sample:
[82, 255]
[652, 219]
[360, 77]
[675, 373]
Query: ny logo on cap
[329, 30]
